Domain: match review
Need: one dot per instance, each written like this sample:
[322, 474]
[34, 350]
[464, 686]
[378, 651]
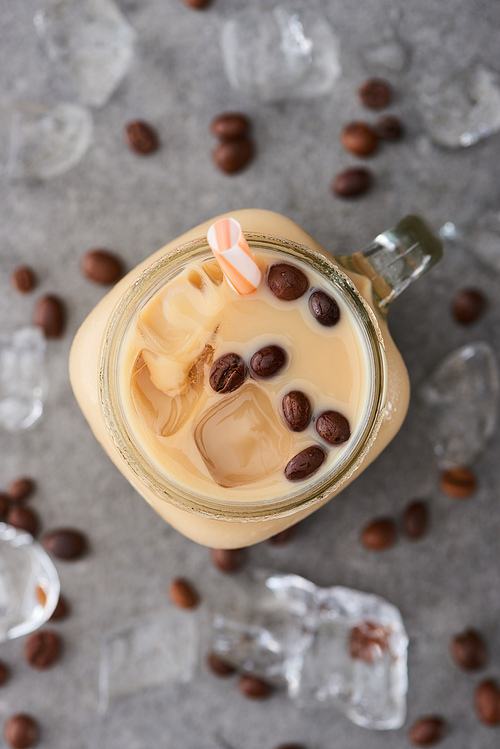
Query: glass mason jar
[367, 282]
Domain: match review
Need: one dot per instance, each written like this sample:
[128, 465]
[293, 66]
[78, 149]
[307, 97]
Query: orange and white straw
[233, 254]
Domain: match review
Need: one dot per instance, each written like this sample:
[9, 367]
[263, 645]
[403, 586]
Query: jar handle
[395, 258]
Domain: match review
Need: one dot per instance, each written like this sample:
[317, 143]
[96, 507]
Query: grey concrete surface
[447, 581]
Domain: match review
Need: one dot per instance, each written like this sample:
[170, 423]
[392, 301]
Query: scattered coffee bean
[4, 673]
[65, 543]
[352, 182]
[20, 489]
[21, 731]
[101, 267]
[4, 505]
[427, 730]
[228, 560]
[468, 306]
[49, 316]
[141, 137]
[287, 282]
[375, 93]
[324, 308]
[42, 649]
[23, 519]
[305, 464]
[197, 4]
[219, 666]
[379, 534]
[283, 537]
[389, 128]
[254, 687]
[183, 594]
[458, 482]
[230, 126]
[61, 610]
[415, 520]
[296, 410]
[23, 279]
[228, 373]
[359, 138]
[487, 702]
[233, 156]
[333, 427]
[469, 650]
[267, 361]
[368, 641]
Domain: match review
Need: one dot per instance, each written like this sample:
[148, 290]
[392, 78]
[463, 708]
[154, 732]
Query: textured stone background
[442, 584]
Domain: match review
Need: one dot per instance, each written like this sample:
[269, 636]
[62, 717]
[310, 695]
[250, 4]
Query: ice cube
[91, 41]
[22, 378]
[483, 238]
[461, 403]
[286, 52]
[461, 110]
[387, 55]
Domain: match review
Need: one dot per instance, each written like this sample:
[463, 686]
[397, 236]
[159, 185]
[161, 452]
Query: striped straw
[233, 255]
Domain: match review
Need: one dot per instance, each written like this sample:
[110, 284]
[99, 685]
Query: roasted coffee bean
[65, 543]
[458, 482]
[368, 641]
[324, 308]
[389, 128]
[141, 137]
[219, 666]
[427, 730]
[415, 520]
[228, 560]
[375, 93]
[305, 464]
[283, 537]
[20, 489]
[230, 126]
[228, 373]
[286, 281]
[468, 650]
[49, 316]
[23, 279]
[487, 702]
[61, 610]
[101, 267]
[468, 306]
[254, 687]
[197, 4]
[333, 427]
[359, 138]
[233, 156]
[4, 673]
[183, 594]
[42, 649]
[21, 731]
[379, 534]
[352, 182]
[296, 410]
[23, 519]
[267, 361]
[4, 505]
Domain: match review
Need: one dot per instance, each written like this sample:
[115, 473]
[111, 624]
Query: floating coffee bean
[219, 666]
[379, 534]
[367, 641]
[296, 410]
[20, 489]
[375, 93]
[197, 4]
[415, 520]
[468, 306]
[352, 182]
[359, 138]
[65, 543]
[233, 156]
[469, 650]
[61, 610]
[305, 464]
[49, 316]
[101, 267]
[254, 687]
[23, 519]
[42, 649]
[287, 282]
[4, 674]
[284, 537]
[427, 730]
[23, 279]
[141, 137]
[487, 702]
[324, 308]
[267, 361]
[21, 731]
[228, 373]
[333, 427]
[390, 128]
[228, 560]
[230, 126]
[458, 482]
[183, 594]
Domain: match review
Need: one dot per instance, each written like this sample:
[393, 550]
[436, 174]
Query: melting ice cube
[22, 378]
